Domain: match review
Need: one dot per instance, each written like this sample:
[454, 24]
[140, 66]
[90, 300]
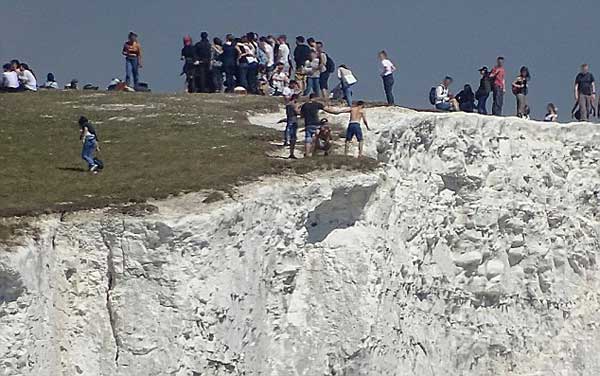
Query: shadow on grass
[72, 169]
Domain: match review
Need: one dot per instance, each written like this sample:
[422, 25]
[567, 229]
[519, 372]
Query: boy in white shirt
[280, 79]
[10, 79]
[387, 74]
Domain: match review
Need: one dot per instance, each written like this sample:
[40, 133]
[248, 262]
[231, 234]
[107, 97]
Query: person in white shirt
[283, 53]
[313, 72]
[292, 89]
[280, 79]
[347, 80]
[50, 82]
[269, 51]
[387, 74]
[27, 78]
[443, 100]
[10, 79]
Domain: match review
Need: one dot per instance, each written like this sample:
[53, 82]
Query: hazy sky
[427, 39]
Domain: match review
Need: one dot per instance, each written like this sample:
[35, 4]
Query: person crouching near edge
[90, 143]
[357, 114]
[324, 138]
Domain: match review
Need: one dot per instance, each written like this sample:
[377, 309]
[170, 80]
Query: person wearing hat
[132, 50]
[483, 93]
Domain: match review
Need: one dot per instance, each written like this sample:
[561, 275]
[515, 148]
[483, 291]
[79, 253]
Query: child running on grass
[87, 134]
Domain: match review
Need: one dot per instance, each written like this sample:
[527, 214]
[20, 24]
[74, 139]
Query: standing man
[132, 50]
[585, 91]
[283, 53]
[357, 113]
[387, 74]
[498, 75]
[301, 56]
[326, 70]
[229, 58]
[202, 63]
[312, 123]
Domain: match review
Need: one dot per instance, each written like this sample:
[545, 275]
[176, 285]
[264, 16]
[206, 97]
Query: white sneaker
[94, 168]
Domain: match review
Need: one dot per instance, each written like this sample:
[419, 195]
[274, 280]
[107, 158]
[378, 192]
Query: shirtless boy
[357, 114]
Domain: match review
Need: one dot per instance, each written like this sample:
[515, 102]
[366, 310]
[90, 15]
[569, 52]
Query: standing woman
[520, 90]
[132, 50]
[483, 93]
[387, 74]
[243, 56]
[216, 64]
[347, 80]
[188, 55]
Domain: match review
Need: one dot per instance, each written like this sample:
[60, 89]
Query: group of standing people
[268, 65]
[257, 65]
[492, 83]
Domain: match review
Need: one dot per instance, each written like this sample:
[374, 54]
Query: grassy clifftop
[153, 146]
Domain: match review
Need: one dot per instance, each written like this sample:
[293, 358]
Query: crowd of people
[268, 65]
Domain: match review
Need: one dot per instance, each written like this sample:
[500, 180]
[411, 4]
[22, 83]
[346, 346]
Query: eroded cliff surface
[471, 251]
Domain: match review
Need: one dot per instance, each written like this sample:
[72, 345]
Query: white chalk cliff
[471, 251]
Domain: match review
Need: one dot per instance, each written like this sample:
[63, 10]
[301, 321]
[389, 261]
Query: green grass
[152, 145]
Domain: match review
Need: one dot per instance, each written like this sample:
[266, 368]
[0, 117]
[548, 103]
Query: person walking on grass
[87, 134]
[132, 50]
[585, 92]
[498, 75]
[387, 74]
[357, 114]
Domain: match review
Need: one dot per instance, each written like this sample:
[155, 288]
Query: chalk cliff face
[471, 251]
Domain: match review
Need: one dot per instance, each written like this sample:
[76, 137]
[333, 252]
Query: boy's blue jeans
[87, 153]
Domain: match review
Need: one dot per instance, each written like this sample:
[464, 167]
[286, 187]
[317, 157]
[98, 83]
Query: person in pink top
[498, 86]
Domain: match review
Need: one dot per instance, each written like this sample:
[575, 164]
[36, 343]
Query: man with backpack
[87, 134]
[441, 98]
[327, 68]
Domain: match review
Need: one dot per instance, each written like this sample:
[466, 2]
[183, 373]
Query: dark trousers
[498, 94]
[202, 75]
[230, 72]
[388, 87]
[482, 104]
[252, 78]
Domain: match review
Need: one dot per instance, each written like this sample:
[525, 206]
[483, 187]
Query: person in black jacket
[188, 55]
[229, 58]
[466, 99]
[202, 63]
[484, 90]
[301, 55]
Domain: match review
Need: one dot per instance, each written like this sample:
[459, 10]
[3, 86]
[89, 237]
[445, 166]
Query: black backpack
[432, 95]
[330, 64]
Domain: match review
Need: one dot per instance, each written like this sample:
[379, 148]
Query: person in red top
[498, 86]
[132, 50]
